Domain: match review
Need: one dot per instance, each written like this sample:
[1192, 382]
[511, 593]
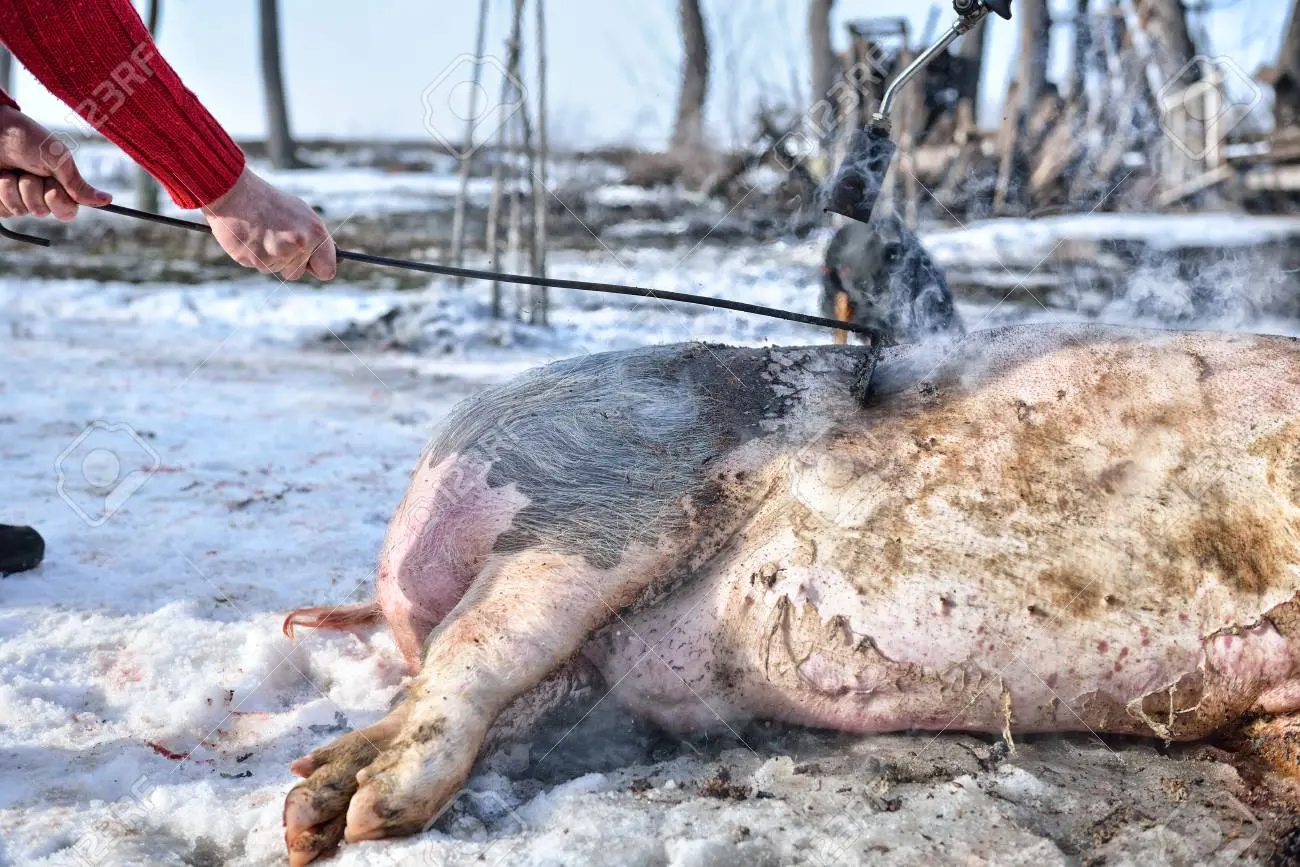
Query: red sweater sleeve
[98, 57]
[6, 99]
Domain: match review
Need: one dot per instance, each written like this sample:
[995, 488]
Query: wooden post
[1030, 84]
[541, 297]
[1212, 108]
[494, 205]
[1082, 51]
[527, 172]
[514, 223]
[462, 195]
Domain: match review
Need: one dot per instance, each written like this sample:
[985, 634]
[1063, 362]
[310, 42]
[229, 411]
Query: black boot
[21, 548]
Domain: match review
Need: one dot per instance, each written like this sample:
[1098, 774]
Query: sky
[400, 68]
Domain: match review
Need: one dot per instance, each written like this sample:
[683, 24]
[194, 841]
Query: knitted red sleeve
[98, 57]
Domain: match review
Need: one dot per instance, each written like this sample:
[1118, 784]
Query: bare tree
[971, 50]
[462, 195]
[540, 297]
[1035, 40]
[147, 191]
[688, 132]
[1028, 87]
[1082, 50]
[279, 141]
[1165, 25]
[820, 49]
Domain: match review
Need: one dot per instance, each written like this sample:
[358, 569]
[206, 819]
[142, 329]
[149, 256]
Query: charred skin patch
[614, 449]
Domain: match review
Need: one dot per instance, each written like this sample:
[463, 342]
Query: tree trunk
[1286, 108]
[6, 70]
[498, 168]
[1029, 85]
[147, 191]
[279, 141]
[1035, 38]
[1165, 24]
[971, 49]
[1289, 55]
[462, 195]
[824, 65]
[1082, 51]
[516, 239]
[688, 132]
[541, 297]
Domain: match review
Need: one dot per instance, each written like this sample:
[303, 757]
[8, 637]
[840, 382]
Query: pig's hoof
[315, 810]
[1275, 740]
[404, 790]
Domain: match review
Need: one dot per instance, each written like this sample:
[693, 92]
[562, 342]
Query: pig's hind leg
[522, 618]
[314, 810]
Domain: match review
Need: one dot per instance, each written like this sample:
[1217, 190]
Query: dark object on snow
[21, 548]
[878, 276]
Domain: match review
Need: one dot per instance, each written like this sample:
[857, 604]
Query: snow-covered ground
[202, 458]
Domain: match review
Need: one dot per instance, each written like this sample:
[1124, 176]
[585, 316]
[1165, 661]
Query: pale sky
[359, 69]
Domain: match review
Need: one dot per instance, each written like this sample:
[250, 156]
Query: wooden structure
[1138, 127]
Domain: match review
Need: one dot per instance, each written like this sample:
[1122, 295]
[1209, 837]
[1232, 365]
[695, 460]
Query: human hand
[36, 178]
[274, 232]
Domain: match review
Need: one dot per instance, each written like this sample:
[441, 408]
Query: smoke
[1219, 272]
[1227, 290]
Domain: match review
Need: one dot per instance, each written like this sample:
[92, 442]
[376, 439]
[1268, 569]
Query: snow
[991, 242]
[150, 706]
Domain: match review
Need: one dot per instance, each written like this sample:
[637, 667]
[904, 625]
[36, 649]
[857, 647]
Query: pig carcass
[1032, 529]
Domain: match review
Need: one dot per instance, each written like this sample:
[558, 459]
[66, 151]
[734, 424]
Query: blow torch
[862, 173]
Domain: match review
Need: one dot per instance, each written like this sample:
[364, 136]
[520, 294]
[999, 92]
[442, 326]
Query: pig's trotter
[315, 809]
[1277, 741]
[524, 617]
